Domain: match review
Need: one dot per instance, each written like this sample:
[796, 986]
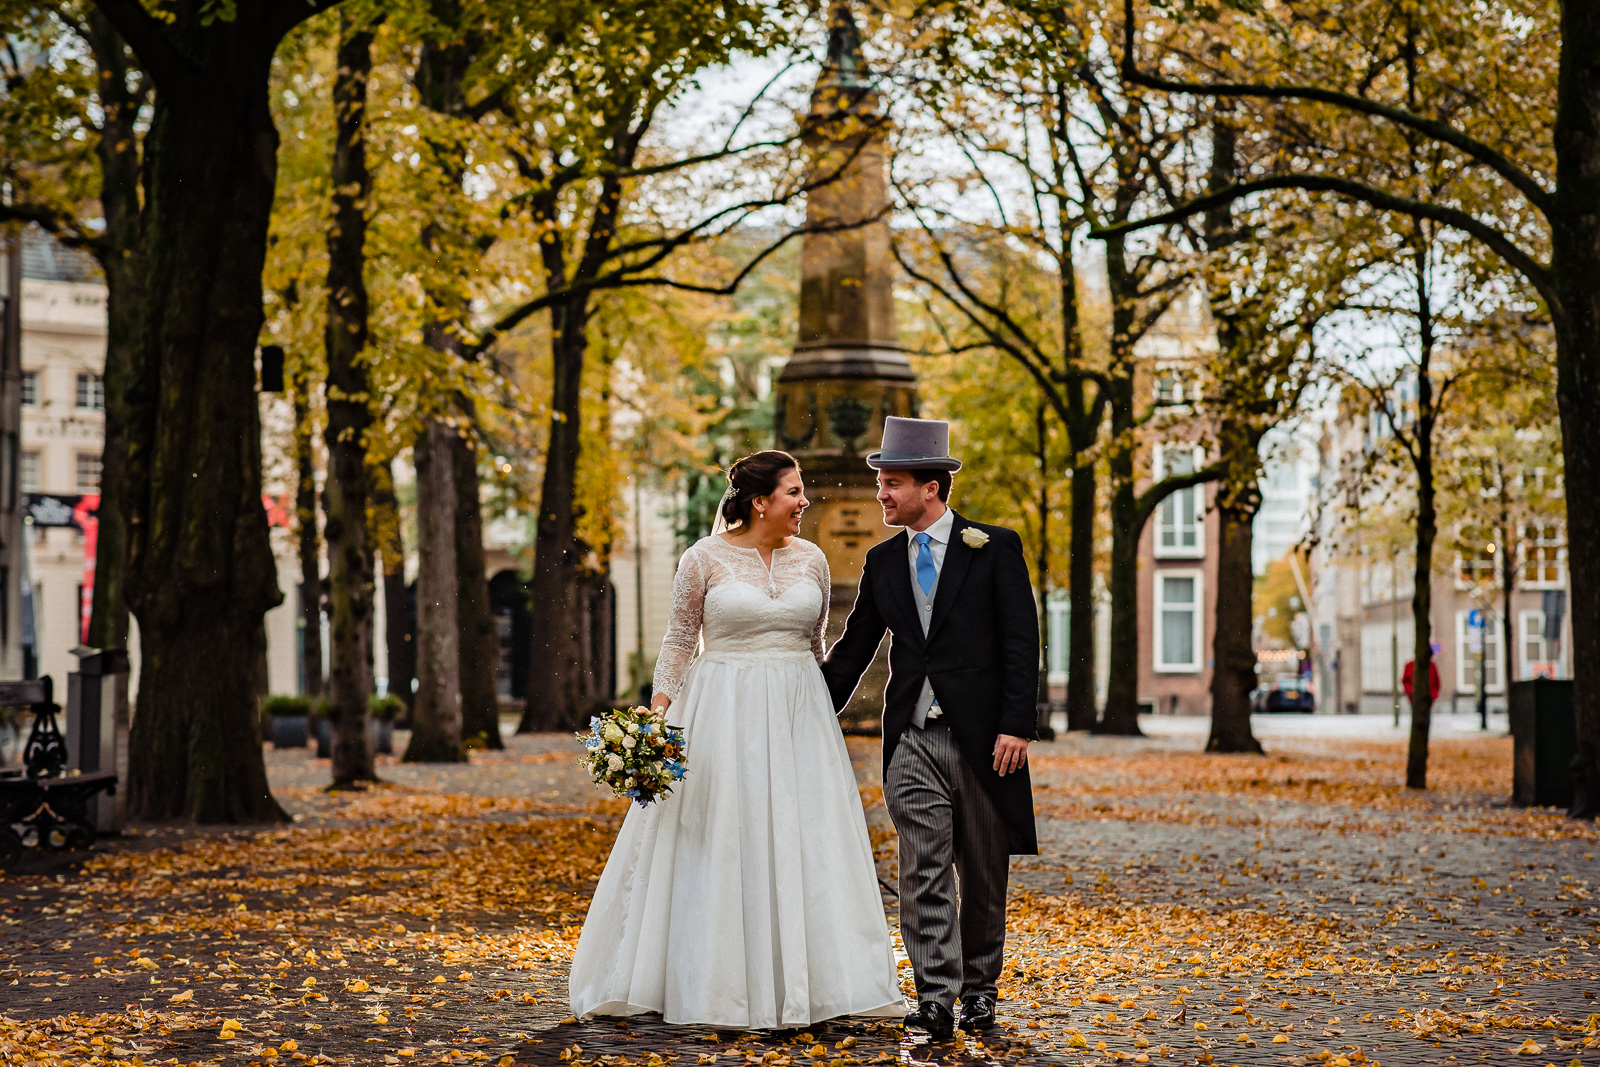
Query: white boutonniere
[974, 537]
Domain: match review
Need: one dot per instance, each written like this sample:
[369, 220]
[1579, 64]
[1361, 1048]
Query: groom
[958, 715]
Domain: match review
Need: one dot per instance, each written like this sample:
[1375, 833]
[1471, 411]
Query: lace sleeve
[819, 642]
[682, 639]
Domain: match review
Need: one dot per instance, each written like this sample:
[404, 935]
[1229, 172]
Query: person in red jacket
[1433, 677]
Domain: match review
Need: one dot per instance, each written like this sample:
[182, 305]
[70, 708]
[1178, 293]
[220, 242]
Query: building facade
[63, 342]
[1363, 631]
[1177, 586]
[63, 427]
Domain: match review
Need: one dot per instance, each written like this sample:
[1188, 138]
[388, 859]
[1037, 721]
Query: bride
[748, 898]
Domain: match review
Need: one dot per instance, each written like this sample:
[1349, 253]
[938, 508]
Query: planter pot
[324, 739]
[290, 731]
[382, 734]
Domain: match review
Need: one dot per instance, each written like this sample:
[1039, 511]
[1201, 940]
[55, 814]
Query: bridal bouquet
[635, 753]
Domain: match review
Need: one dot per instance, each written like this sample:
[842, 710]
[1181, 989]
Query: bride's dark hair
[755, 475]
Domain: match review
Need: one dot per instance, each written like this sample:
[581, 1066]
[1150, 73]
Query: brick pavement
[1328, 915]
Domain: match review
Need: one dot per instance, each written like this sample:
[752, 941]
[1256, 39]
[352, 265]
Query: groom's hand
[1010, 753]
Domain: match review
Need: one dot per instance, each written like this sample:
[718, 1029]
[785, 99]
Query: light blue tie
[926, 575]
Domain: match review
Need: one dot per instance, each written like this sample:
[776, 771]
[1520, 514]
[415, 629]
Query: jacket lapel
[956, 558]
[902, 601]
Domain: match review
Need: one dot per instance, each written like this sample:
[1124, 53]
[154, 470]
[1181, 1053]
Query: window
[88, 472]
[1178, 625]
[1383, 645]
[91, 393]
[1544, 556]
[1533, 652]
[29, 474]
[30, 388]
[1467, 657]
[1475, 565]
[1059, 615]
[1180, 532]
[1169, 387]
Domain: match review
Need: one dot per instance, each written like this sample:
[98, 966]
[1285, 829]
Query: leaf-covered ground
[1298, 908]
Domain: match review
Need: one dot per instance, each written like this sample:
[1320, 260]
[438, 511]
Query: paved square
[1296, 908]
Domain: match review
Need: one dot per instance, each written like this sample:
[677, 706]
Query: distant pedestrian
[1433, 677]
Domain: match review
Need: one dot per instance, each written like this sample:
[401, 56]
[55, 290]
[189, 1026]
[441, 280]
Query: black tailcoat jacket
[981, 654]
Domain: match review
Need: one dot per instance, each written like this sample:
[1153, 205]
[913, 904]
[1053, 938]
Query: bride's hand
[660, 704]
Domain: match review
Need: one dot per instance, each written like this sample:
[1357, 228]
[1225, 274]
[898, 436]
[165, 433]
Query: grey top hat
[914, 444]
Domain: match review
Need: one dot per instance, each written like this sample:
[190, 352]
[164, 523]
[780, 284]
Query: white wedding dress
[748, 898]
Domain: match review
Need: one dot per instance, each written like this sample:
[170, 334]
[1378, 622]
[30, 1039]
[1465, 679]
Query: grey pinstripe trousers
[954, 864]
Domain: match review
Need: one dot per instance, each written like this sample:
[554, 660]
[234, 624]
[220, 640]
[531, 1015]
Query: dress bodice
[742, 607]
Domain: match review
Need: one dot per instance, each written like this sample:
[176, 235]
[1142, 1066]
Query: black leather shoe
[934, 1018]
[977, 1013]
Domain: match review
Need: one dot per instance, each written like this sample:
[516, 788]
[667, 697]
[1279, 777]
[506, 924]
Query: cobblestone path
[1297, 908]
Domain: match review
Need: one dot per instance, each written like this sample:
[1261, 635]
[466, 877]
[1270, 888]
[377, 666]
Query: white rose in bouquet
[629, 743]
[611, 732]
[614, 762]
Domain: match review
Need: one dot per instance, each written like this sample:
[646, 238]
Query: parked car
[1287, 693]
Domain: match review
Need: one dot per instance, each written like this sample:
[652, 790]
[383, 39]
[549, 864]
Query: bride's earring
[761, 514]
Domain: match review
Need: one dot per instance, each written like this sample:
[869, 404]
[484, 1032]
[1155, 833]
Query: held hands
[1010, 753]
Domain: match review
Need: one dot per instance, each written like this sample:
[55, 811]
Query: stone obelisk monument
[848, 369]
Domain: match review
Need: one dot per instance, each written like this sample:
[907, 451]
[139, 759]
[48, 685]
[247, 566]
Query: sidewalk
[1297, 908]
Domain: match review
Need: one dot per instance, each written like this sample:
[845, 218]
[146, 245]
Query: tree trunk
[1046, 731]
[1121, 715]
[1233, 655]
[1427, 530]
[1575, 269]
[436, 715]
[200, 573]
[399, 641]
[599, 645]
[1578, 395]
[305, 509]
[1508, 575]
[345, 497]
[1233, 672]
[1081, 711]
[1421, 609]
[480, 638]
[122, 262]
[557, 691]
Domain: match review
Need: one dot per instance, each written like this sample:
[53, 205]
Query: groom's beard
[904, 517]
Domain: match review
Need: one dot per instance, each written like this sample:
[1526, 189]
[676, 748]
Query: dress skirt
[748, 899]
